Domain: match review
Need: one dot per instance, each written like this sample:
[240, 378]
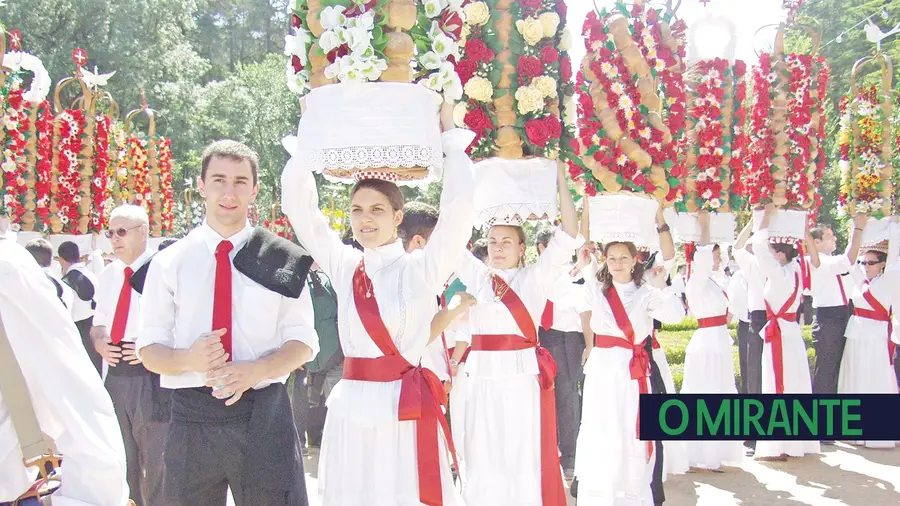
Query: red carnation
[477, 51]
[529, 66]
[549, 55]
[478, 121]
[561, 9]
[554, 127]
[531, 4]
[565, 68]
[466, 69]
[537, 131]
[296, 64]
[296, 22]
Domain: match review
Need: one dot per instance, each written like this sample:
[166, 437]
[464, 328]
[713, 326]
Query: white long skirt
[611, 463]
[797, 380]
[675, 453]
[709, 369]
[866, 367]
[502, 441]
[458, 401]
[374, 461]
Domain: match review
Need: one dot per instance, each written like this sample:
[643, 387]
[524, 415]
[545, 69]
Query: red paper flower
[466, 69]
[529, 67]
[565, 68]
[477, 51]
[451, 23]
[549, 54]
[537, 131]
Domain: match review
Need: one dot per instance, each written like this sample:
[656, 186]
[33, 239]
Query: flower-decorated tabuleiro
[787, 125]
[864, 139]
[631, 103]
[516, 75]
[402, 41]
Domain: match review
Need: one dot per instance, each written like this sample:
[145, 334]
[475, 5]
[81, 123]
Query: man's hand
[207, 352]
[231, 380]
[861, 220]
[129, 355]
[110, 352]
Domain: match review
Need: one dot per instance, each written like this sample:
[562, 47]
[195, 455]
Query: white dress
[708, 361]
[675, 453]
[368, 456]
[611, 463]
[780, 283]
[502, 413]
[458, 398]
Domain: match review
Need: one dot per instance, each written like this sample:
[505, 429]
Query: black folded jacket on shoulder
[274, 262]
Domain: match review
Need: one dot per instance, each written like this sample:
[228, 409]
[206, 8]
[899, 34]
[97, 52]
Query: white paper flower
[359, 40]
[332, 16]
[296, 82]
[329, 41]
[296, 45]
[443, 45]
[565, 40]
[433, 8]
[453, 89]
[366, 20]
[431, 60]
[459, 113]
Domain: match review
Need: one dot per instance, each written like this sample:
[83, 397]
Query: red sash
[639, 366]
[773, 334]
[879, 313]
[712, 321]
[421, 393]
[552, 491]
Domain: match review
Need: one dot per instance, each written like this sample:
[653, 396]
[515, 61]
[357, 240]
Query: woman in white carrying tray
[612, 465]
[511, 450]
[383, 441]
[708, 362]
[785, 367]
[867, 363]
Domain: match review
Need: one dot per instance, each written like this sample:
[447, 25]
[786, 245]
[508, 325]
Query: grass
[674, 339]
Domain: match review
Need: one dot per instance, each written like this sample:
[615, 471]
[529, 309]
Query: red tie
[222, 295]
[547, 317]
[120, 320]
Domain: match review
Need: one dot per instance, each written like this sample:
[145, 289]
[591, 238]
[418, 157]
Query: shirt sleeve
[106, 308]
[296, 321]
[301, 205]
[768, 266]
[453, 230]
[701, 267]
[70, 401]
[556, 259]
[665, 306]
[157, 321]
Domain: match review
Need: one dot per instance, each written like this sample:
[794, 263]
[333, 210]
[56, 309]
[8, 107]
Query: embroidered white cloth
[622, 217]
[509, 188]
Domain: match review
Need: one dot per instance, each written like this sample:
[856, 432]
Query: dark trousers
[805, 311]
[758, 320]
[251, 447]
[828, 339]
[300, 404]
[26, 502]
[138, 410]
[743, 338]
[897, 365]
[84, 329]
[566, 349]
[657, 386]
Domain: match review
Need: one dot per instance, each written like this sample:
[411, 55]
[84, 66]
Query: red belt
[712, 321]
[639, 366]
[546, 378]
[773, 336]
[421, 398]
[879, 317]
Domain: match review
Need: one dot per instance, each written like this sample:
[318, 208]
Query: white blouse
[705, 297]
[533, 284]
[403, 284]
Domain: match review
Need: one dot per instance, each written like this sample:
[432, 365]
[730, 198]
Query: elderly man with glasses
[142, 407]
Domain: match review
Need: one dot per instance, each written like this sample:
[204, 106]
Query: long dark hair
[605, 277]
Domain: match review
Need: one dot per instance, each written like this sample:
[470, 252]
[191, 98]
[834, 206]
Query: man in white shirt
[738, 308]
[830, 280]
[72, 407]
[42, 251]
[560, 332]
[225, 333]
[142, 407]
[84, 283]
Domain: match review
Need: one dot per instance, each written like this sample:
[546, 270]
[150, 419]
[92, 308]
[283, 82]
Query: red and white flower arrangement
[630, 128]
[16, 124]
[517, 114]
[164, 158]
[43, 166]
[100, 181]
[68, 190]
[862, 162]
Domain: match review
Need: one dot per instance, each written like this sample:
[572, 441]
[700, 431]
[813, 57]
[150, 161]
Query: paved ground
[843, 475]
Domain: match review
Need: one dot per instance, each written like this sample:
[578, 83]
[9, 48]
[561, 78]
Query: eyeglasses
[868, 262]
[121, 232]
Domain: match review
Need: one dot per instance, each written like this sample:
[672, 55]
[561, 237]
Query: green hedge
[675, 338]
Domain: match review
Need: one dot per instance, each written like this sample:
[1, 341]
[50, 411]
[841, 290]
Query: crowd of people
[428, 368]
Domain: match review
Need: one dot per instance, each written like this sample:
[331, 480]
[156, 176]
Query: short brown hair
[41, 250]
[818, 232]
[419, 218]
[230, 149]
[386, 188]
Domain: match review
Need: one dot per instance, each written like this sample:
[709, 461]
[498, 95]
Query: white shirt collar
[382, 256]
[212, 238]
[139, 261]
